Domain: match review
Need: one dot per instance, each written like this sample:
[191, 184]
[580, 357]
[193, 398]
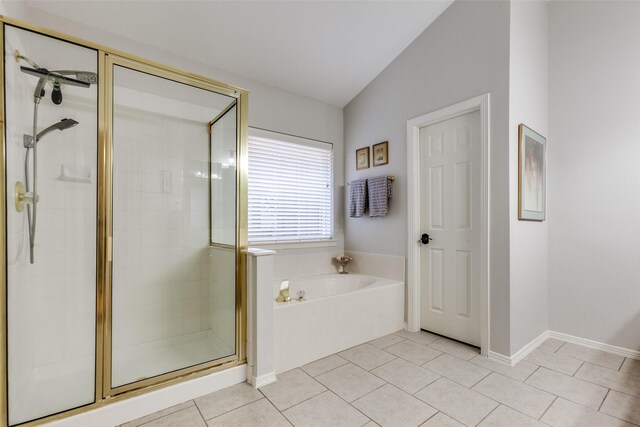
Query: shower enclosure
[124, 219]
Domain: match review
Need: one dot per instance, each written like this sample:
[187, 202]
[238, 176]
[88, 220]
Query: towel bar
[390, 178]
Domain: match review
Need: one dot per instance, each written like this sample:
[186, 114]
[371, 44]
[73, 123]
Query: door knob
[424, 239]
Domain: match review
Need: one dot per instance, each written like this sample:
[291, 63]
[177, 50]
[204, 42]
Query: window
[290, 188]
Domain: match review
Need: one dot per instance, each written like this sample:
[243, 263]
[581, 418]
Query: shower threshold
[135, 363]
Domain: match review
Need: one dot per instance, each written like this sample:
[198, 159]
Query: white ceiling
[327, 50]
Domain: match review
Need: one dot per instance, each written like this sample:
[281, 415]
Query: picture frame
[532, 175]
[381, 153]
[362, 158]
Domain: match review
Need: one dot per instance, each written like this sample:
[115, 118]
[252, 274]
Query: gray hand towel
[379, 195]
[357, 198]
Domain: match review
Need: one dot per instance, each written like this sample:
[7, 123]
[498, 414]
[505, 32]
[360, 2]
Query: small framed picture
[381, 154]
[362, 158]
[532, 175]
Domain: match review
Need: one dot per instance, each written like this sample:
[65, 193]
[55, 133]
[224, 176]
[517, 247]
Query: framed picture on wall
[532, 175]
[362, 158]
[381, 153]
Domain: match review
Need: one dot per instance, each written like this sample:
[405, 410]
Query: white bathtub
[340, 311]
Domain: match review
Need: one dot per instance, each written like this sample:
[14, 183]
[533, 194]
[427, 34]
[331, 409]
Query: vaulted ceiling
[326, 50]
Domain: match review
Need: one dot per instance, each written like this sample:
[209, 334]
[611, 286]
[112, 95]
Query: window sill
[295, 244]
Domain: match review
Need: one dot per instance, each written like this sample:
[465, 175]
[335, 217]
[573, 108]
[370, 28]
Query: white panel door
[450, 214]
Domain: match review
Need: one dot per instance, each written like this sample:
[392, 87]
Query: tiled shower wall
[160, 218]
[51, 318]
[222, 297]
[53, 291]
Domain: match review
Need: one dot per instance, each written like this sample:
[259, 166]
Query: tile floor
[420, 379]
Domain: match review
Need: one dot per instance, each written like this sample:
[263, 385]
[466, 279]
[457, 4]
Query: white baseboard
[528, 348]
[500, 358]
[522, 353]
[263, 380]
[620, 351]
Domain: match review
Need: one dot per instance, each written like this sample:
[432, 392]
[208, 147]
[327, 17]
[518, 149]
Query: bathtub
[340, 311]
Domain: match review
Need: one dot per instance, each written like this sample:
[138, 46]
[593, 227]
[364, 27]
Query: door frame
[481, 104]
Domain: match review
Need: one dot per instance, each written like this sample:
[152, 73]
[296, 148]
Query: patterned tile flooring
[420, 379]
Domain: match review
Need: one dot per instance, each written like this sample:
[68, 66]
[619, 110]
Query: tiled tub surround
[378, 265]
[292, 263]
[340, 311]
[438, 383]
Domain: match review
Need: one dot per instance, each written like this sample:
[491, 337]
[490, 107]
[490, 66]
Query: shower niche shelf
[76, 173]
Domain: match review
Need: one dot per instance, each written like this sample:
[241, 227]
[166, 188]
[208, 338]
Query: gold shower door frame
[104, 392]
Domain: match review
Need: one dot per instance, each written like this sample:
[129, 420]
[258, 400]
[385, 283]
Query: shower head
[57, 79]
[83, 76]
[63, 124]
[56, 76]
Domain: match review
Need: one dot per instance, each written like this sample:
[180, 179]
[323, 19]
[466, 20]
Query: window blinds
[290, 190]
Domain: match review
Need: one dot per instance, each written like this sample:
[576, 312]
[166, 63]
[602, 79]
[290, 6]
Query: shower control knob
[19, 196]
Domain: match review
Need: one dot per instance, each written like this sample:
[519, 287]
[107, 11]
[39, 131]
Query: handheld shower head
[63, 124]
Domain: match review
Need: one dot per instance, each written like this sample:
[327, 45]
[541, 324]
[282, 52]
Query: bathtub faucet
[343, 260]
[284, 292]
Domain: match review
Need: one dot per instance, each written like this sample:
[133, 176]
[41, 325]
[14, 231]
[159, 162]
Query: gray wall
[594, 164]
[528, 104]
[463, 54]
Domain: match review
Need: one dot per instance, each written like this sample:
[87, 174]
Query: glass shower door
[173, 296]
[51, 190]
[222, 253]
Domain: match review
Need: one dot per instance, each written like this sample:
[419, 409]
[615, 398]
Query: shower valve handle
[30, 198]
[22, 197]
